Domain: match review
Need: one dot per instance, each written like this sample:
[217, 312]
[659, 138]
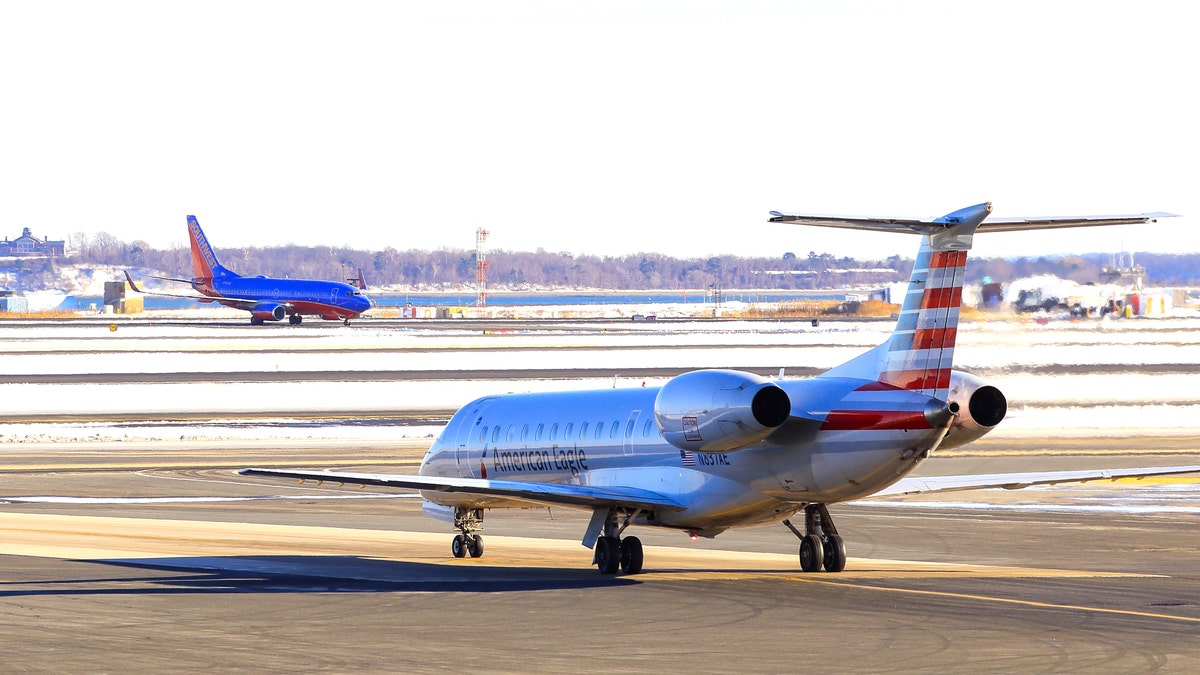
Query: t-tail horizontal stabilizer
[919, 356]
[930, 226]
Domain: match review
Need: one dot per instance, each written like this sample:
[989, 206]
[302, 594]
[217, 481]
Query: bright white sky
[606, 127]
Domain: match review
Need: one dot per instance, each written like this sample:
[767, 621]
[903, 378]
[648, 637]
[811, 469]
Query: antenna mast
[480, 268]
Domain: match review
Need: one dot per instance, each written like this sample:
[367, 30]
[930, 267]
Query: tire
[608, 554]
[812, 554]
[631, 555]
[458, 546]
[835, 554]
[475, 545]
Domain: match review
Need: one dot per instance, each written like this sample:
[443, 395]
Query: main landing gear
[295, 319]
[821, 547]
[468, 522]
[613, 552]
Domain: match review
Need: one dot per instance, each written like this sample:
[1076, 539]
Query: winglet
[132, 285]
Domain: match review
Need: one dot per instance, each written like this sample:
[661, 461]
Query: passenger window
[612, 432]
[567, 431]
[524, 433]
[483, 435]
[554, 431]
[511, 429]
[537, 435]
[583, 431]
[599, 429]
[496, 433]
[629, 429]
[646, 429]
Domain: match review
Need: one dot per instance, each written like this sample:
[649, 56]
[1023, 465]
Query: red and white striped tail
[920, 353]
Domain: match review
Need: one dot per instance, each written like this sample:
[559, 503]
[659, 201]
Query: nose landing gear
[821, 547]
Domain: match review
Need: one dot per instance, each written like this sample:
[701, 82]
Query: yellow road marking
[1007, 601]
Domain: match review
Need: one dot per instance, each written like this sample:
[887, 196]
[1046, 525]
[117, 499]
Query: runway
[190, 567]
[148, 553]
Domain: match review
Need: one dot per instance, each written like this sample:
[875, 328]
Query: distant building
[27, 244]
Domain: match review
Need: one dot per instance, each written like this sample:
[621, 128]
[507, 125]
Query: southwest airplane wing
[1016, 481]
[537, 494]
[247, 304]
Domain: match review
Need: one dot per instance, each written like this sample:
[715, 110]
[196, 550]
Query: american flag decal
[687, 458]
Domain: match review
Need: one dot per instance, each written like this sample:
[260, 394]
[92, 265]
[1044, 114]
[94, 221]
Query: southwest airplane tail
[714, 449]
[204, 260]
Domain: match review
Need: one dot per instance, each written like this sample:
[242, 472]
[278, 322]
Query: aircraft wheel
[255, 321]
[631, 555]
[812, 553]
[835, 554]
[608, 554]
[295, 319]
[459, 546]
[475, 545]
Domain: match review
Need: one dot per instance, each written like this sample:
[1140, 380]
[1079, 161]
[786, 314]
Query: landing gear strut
[613, 552]
[821, 547]
[468, 522]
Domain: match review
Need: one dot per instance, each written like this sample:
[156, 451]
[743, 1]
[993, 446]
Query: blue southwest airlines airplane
[267, 298]
[712, 450]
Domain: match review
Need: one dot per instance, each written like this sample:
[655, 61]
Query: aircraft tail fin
[359, 282]
[205, 265]
[919, 355]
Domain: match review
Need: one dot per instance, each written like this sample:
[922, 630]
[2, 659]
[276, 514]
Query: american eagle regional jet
[712, 450]
[266, 298]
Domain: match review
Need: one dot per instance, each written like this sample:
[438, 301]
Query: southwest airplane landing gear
[467, 541]
[821, 547]
[613, 552]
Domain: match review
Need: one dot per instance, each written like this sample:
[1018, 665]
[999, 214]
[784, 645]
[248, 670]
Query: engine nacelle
[719, 410]
[269, 311]
[981, 407]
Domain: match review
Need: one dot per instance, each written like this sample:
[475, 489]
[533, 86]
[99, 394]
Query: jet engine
[981, 407]
[268, 311]
[719, 410]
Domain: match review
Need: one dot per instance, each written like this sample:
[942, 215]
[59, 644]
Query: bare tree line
[456, 268]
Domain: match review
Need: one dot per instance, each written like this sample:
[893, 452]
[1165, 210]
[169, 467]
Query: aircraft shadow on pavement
[296, 574]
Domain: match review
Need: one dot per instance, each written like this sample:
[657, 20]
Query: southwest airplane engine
[268, 311]
[719, 410]
[981, 407]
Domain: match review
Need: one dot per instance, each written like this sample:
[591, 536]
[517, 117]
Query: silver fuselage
[611, 438]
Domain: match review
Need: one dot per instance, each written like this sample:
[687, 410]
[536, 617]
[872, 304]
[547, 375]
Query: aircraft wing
[1016, 481]
[541, 494]
[247, 304]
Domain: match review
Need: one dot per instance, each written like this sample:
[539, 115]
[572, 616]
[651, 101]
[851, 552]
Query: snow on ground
[1130, 402]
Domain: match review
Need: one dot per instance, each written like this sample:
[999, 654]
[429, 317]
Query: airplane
[715, 449]
[266, 298]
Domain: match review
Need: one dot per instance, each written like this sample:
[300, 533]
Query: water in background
[75, 303]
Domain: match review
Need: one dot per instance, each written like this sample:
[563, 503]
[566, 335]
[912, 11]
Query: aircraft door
[469, 444]
[628, 433]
